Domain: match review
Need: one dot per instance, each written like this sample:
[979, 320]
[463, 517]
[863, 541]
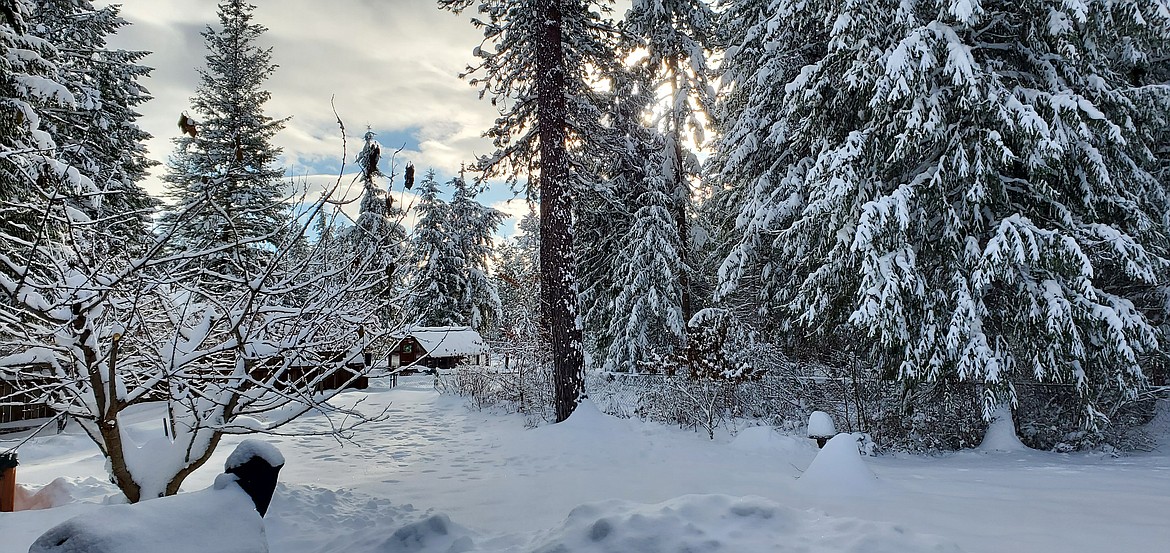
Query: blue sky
[389, 64]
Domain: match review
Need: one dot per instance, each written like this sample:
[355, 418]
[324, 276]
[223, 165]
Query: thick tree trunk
[111, 434]
[557, 263]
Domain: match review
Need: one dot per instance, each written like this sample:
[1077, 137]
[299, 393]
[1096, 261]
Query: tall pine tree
[378, 236]
[538, 65]
[223, 174]
[676, 37]
[438, 284]
[99, 134]
[631, 251]
[472, 227]
[749, 171]
[32, 179]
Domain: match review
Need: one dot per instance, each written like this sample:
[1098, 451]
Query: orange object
[7, 482]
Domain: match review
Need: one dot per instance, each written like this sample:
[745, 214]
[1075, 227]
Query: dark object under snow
[256, 467]
[409, 175]
[821, 428]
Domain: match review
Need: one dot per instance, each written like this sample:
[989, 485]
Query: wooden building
[328, 370]
[438, 347]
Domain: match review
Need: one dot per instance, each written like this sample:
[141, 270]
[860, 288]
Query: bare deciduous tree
[95, 337]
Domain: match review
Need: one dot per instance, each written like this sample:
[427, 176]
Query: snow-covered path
[489, 484]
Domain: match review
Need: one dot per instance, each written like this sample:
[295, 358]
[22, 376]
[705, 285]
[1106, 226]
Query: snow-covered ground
[437, 478]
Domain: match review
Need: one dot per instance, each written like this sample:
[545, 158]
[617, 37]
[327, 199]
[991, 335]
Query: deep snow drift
[839, 470]
[712, 523]
[438, 478]
[1001, 433]
[220, 519]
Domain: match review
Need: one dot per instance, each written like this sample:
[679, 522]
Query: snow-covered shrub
[926, 418]
[929, 418]
[519, 382]
[471, 382]
[1047, 420]
[933, 418]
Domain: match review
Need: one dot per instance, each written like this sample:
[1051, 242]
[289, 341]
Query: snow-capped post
[256, 465]
[8, 464]
[821, 428]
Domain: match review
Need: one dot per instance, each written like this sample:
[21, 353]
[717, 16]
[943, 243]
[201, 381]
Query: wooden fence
[16, 407]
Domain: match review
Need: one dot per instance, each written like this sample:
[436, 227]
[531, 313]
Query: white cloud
[393, 65]
[515, 209]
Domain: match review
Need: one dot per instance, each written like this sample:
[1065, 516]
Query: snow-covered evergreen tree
[517, 278]
[748, 160]
[629, 314]
[33, 181]
[603, 211]
[472, 227]
[223, 173]
[968, 184]
[676, 37]
[438, 282]
[631, 258]
[378, 234]
[98, 134]
[648, 318]
[378, 231]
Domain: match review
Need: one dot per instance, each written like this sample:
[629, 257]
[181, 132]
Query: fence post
[8, 482]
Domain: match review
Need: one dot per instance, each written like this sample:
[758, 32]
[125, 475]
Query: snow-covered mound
[249, 449]
[691, 523]
[61, 491]
[839, 469]
[766, 439]
[588, 418]
[719, 523]
[434, 534]
[587, 426]
[221, 519]
[1001, 434]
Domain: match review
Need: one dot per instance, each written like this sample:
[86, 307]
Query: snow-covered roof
[446, 341]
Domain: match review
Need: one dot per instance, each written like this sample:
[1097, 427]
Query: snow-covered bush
[929, 418]
[1046, 418]
[933, 419]
[519, 382]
